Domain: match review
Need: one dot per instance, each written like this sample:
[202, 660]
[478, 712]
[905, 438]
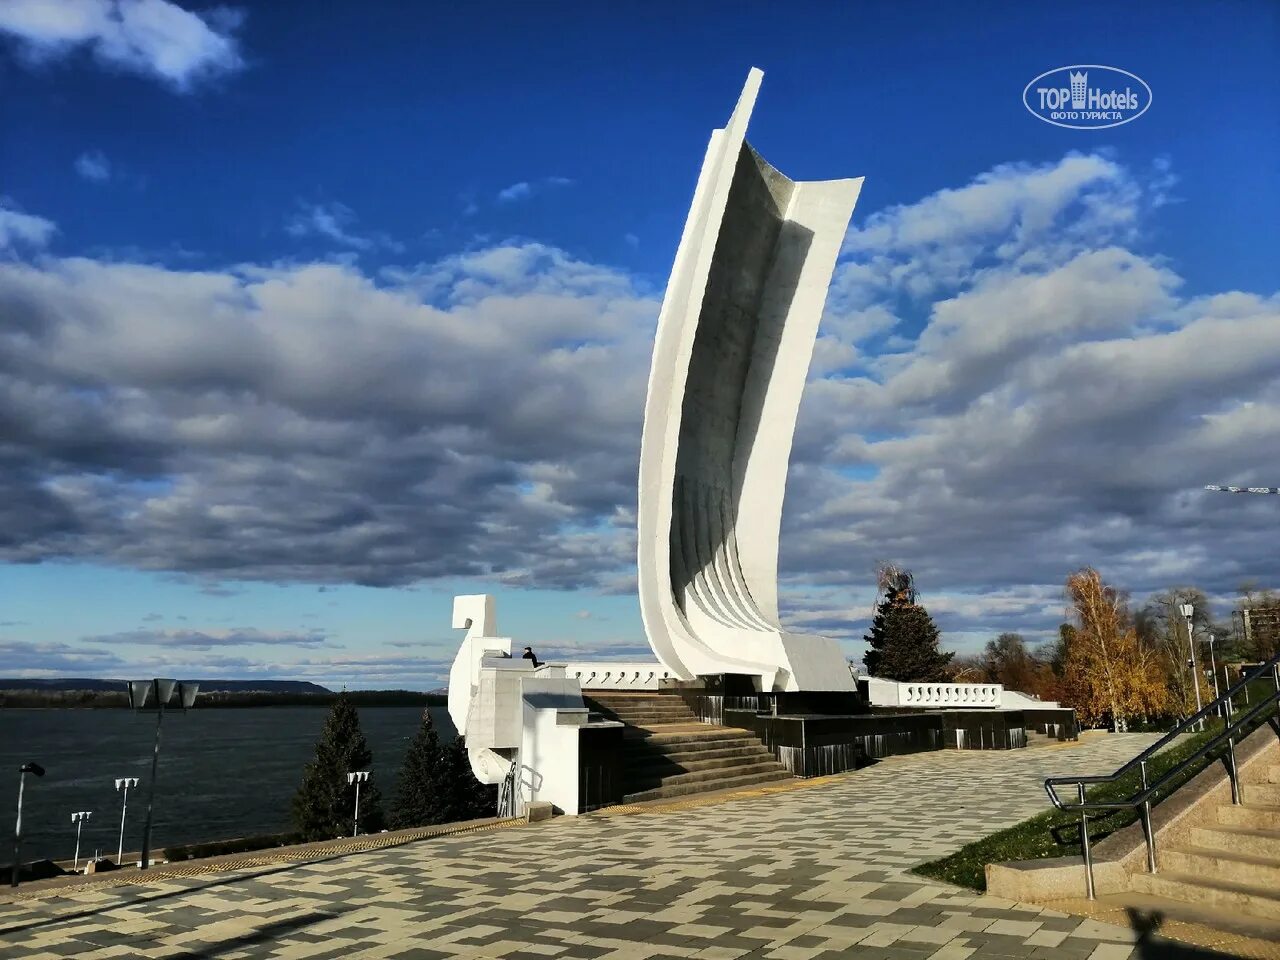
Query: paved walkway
[807, 869]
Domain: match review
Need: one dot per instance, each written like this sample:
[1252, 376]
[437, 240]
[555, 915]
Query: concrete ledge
[1052, 879]
[538, 810]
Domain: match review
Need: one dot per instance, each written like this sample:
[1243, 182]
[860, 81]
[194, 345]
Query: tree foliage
[1109, 675]
[436, 784]
[324, 806]
[903, 639]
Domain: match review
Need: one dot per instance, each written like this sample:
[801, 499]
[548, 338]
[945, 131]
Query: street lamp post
[1188, 611]
[358, 777]
[126, 783]
[1213, 667]
[29, 767]
[78, 819]
[157, 691]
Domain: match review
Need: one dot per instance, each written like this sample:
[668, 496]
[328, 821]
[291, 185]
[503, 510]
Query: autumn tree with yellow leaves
[1109, 675]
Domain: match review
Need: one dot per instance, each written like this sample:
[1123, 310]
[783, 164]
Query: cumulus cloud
[93, 166]
[475, 416]
[1007, 387]
[154, 38]
[18, 229]
[335, 222]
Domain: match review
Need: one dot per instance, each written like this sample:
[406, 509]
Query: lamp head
[32, 767]
[1188, 610]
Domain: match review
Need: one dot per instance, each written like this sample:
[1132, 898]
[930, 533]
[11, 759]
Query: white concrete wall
[731, 354]
[552, 712]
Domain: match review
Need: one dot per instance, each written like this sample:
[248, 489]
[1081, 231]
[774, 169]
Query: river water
[223, 773]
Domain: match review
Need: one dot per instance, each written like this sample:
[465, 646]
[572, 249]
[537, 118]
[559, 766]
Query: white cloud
[517, 191]
[93, 166]
[525, 189]
[1056, 401]
[334, 221]
[150, 37]
[23, 229]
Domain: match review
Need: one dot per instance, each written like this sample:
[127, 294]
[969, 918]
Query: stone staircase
[669, 753]
[1226, 873]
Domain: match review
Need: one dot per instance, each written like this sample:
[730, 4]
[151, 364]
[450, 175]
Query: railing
[507, 792]
[618, 676]
[1233, 731]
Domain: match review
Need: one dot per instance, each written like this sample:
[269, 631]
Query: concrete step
[705, 759]
[707, 786]
[637, 782]
[1255, 843]
[1218, 918]
[683, 733]
[640, 750]
[1264, 793]
[1233, 866]
[1209, 892]
[668, 716]
[634, 700]
[1273, 773]
[1255, 816]
[663, 765]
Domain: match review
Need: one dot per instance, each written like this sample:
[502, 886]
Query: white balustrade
[954, 696]
[621, 675]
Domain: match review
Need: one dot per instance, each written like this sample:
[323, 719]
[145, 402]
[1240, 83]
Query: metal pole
[17, 829]
[1084, 843]
[75, 866]
[1195, 678]
[151, 789]
[1213, 666]
[1235, 779]
[123, 811]
[355, 827]
[1146, 822]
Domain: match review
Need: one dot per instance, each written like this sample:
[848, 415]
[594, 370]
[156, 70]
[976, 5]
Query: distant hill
[71, 692]
[206, 686]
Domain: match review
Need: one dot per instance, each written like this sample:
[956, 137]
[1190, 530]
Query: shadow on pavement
[1146, 923]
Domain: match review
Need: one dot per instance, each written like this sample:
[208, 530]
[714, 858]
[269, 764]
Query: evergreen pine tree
[422, 792]
[325, 803]
[903, 637]
[473, 800]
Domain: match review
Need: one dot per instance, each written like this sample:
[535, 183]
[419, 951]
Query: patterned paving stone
[802, 871]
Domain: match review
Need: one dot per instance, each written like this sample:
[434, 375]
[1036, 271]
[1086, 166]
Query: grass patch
[1057, 834]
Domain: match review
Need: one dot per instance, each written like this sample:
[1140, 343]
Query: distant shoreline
[113, 699]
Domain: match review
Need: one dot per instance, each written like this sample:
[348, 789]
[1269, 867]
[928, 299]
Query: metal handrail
[1141, 800]
[507, 792]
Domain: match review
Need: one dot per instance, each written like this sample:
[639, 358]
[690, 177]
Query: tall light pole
[1188, 611]
[155, 694]
[78, 819]
[357, 777]
[1213, 667]
[29, 767]
[126, 783]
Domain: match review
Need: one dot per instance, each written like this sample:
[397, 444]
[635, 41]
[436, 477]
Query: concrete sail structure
[732, 350]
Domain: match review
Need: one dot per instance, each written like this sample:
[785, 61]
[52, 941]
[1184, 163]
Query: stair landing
[668, 752]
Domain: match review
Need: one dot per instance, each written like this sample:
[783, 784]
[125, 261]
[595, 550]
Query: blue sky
[362, 301]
